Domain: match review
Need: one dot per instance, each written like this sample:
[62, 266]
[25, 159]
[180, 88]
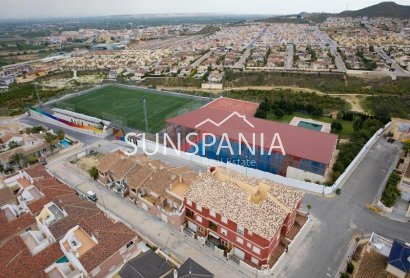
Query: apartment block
[250, 220]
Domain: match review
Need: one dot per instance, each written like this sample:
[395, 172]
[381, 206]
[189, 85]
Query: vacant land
[126, 105]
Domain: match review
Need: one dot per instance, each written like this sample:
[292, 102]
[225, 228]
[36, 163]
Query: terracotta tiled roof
[8, 229]
[257, 205]
[373, 265]
[137, 176]
[76, 212]
[107, 161]
[36, 206]
[6, 197]
[110, 239]
[17, 261]
[37, 171]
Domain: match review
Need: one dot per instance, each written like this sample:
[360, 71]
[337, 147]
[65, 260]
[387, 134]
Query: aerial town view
[155, 139]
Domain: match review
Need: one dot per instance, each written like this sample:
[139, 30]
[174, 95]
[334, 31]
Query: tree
[265, 106]
[336, 126]
[93, 172]
[309, 207]
[261, 114]
[279, 113]
[406, 147]
[50, 139]
[17, 158]
[1, 168]
[60, 135]
[357, 124]
[13, 145]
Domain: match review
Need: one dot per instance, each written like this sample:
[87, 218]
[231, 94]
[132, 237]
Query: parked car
[92, 196]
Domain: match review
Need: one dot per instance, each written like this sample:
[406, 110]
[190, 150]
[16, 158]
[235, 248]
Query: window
[198, 207]
[224, 219]
[256, 250]
[224, 232]
[199, 218]
[129, 244]
[212, 213]
[249, 245]
[240, 230]
[239, 240]
[255, 261]
[189, 202]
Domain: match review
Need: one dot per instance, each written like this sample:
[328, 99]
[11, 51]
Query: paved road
[340, 65]
[201, 59]
[241, 62]
[398, 71]
[343, 216]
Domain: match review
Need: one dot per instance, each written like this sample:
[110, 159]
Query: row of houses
[153, 186]
[48, 230]
[244, 219]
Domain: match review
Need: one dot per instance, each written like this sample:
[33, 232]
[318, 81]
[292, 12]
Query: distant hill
[384, 9]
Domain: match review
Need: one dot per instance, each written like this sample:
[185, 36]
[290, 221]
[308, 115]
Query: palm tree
[17, 158]
[50, 139]
[60, 135]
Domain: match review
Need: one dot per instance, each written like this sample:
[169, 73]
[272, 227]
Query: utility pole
[144, 102]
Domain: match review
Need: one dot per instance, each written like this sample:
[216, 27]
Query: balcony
[213, 226]
[190, 214]
[149, 199]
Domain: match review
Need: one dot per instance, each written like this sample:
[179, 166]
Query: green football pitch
[125, 106]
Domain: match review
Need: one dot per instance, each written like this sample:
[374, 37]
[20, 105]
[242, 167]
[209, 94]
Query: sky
[82, 8]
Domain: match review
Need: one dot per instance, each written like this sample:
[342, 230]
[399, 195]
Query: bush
[336, 126]
[93, 172]
[344, 275]
[391, 191]
[350, 267]
[261, 114]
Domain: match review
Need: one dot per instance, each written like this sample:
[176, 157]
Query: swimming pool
[310, 125]
[65, 143]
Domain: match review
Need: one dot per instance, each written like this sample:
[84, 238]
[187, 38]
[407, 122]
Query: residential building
[378, 256]
[251, 220]
[156, 264]
[53, 231]
[154, 186]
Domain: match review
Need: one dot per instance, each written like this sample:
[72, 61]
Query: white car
[92, 196]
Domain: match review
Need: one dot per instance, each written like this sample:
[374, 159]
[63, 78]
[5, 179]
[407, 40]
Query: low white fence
[151, 146]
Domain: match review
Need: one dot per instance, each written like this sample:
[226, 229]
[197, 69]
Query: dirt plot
[87, 162]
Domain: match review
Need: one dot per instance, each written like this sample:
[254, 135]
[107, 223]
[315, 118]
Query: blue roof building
[399, 259]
